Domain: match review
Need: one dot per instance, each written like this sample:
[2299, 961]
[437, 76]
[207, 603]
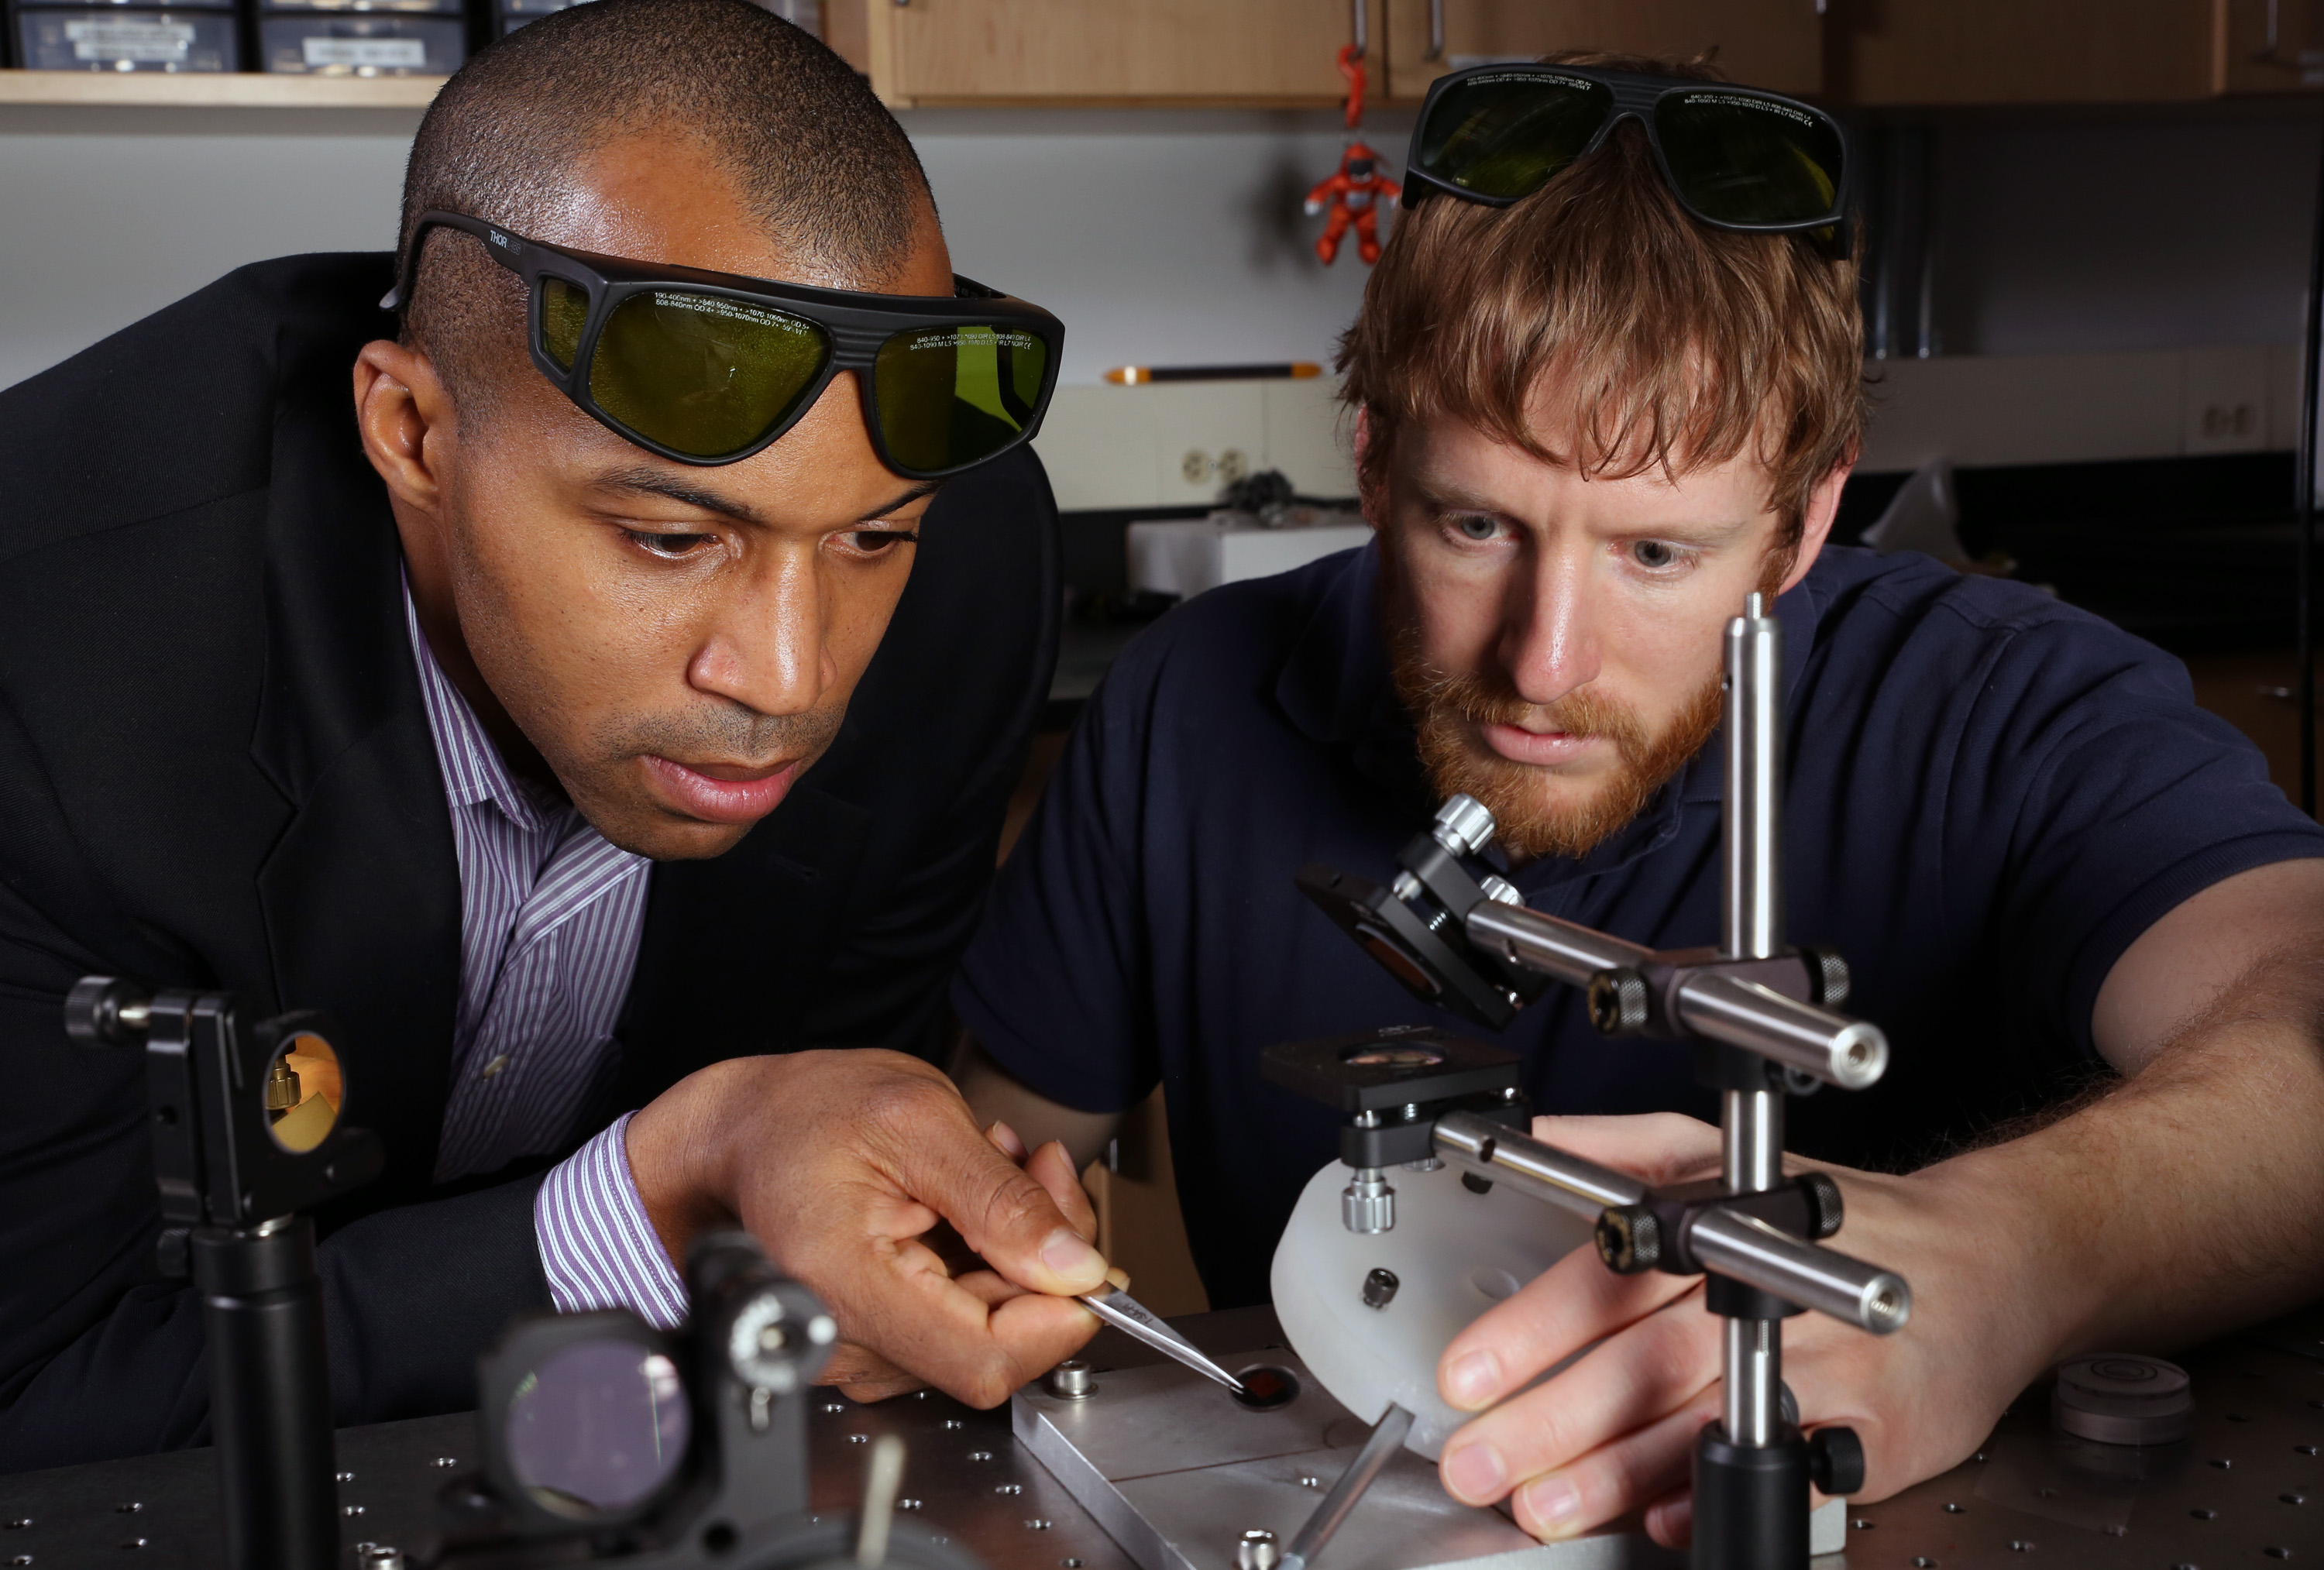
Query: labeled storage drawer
[508, 15]
[401, 7]
[339, 44]
[120, 38]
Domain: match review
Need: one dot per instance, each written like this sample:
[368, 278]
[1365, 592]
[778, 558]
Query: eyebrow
[643, 481]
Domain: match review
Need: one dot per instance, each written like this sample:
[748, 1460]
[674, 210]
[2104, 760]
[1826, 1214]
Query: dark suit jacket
[215, 771]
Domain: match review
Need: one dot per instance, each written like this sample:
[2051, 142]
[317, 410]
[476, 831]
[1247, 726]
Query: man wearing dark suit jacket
[454, 718]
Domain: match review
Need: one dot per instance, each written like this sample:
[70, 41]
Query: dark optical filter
[597, 1428]
[1736, 158]
[700, 373]
[1505, 137]
[951, 396]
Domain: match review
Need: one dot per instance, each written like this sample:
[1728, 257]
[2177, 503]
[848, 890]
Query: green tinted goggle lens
[1505, 137]
[949, 395]
[700, 373]
[1740, 159]
[1733, 157]
[706, 375]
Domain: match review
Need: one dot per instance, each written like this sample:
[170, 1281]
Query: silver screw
[380, 1557]
[1258, 1550]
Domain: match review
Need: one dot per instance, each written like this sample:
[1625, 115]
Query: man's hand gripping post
[1764, 1018]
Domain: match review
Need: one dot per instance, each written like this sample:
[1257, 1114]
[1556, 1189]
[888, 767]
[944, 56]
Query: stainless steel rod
[1752, 927]
[1387, 1436]
[1540, 1171]
[1571, 953]
[1752, 1402]
[1850, 1053]
[1829, 1283]
[1751, 1143]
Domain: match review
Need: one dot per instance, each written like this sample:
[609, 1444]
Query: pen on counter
[1276, 370]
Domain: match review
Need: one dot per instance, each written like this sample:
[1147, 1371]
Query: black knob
[1836, 1461]
[1629, 1239]
[1825, 1211]
[106, 1011]
[1618, 1002]
[1827, 976]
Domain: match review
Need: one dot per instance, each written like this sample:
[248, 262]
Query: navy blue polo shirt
[1990, 795]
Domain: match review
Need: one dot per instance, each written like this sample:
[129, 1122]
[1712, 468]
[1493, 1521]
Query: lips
[721, 793]
[1542, 748]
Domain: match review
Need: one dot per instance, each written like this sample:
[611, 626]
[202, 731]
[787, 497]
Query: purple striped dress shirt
[550, 913]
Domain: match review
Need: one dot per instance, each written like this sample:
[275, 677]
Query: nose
[1549, 641]
[767, 649]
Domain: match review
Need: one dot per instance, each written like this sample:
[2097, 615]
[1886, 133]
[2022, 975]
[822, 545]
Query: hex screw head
[1071, 1381]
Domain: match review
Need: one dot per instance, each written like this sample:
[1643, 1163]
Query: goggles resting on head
[708, 368]
[1736, 158]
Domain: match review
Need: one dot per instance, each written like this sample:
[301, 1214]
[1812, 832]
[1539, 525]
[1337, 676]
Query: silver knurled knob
[1368, 1204]
[1258, 1550]
[1499, 889]
[1464, 826]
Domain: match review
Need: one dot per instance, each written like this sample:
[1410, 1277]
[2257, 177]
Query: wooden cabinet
[927, 52]
[1898, 53]
[2249, 57]
[1768, 43]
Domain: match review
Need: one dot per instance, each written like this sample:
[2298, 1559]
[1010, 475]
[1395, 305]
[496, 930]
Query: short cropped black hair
[814, 157]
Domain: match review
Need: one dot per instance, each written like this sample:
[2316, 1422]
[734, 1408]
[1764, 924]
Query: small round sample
[2123, 1397]
[1071, 1381]
[1266, 1387]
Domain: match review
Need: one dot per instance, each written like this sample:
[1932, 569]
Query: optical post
[1764, 1017]
[235, 1171]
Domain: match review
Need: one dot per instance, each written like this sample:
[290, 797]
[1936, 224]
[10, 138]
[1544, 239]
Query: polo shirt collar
[1335, 687]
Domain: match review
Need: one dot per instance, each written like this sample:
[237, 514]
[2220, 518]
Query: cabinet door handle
[1362, 10]
[1436, 29]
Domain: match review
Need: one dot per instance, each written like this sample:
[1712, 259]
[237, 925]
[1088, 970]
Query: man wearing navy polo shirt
[1588, 426]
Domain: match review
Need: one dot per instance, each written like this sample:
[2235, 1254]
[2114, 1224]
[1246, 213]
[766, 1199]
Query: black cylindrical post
[270, 1393]
[1750, 1502]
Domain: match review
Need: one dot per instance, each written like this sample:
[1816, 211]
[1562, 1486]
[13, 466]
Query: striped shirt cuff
[597, 1248]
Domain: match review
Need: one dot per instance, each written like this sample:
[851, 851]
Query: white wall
[1158, 236]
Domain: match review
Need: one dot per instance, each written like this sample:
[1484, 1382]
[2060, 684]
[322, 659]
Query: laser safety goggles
[710, 367]
[1736, 158]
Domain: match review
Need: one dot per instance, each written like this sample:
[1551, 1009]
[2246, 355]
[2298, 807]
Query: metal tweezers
[1126, 1313]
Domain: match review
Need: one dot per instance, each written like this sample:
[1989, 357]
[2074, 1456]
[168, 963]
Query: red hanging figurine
[1354, 192]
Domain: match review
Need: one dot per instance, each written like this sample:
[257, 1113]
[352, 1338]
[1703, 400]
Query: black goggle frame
[857, 325]
[1637, 97]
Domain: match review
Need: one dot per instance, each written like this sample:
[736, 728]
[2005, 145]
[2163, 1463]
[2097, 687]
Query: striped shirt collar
[474, 770]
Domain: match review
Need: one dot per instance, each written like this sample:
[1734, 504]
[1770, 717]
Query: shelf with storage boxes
[361, 38]
[203, 37]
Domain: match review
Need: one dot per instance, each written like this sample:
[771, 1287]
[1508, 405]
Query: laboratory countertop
[2246, 1490]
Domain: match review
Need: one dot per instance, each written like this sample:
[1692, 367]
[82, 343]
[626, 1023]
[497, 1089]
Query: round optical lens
[597, 1428]
[702, 374]
[1506, 135]
[1738, 159]
[564, 311]
[952, 396]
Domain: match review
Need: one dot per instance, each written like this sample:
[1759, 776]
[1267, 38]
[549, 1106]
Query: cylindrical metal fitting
[1753, 917]
[1617, 1001]
[1629, 1239]
[1379, 1287]
[1758, 1256]
[1485, 1149]
[1565, 949]
[1072, 1380]
[1850, 1053]
[1463, 825]
[1368, 1204]
[1258, 1550]
[1499, 889]
[380, 1557]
